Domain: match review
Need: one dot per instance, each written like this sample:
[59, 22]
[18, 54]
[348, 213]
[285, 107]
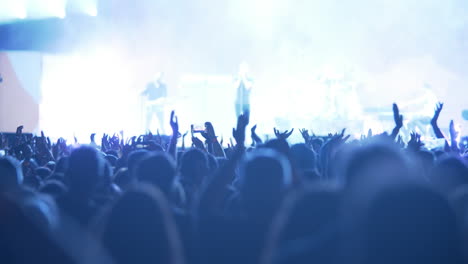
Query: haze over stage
[388, 51]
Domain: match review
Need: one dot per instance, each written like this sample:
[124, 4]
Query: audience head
[157, 169]
[265, 177]
[449, 174]
[303, 158]
[194, 166]
[410, 223]
[133, 159]
[280, 145]
[305, 229]
[375, 164]
[85, 170]
[11, 174]
[139, 228]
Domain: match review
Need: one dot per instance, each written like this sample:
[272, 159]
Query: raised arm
[215, 191]
[214, 147]
[283, 135]
[175, 134]
[256, 140]
[438, 133]
[398, 118]
[454, 138]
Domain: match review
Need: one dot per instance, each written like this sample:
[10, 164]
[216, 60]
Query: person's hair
[410, 223]
[11, 174]
[51, 165]
[265, 175]
[133, 158]
[85, 170]
[43, 172]
[139, 228]
[194, 166]
[22, 240]
[280, 145]
[303, 157]
[449, 174]
[111, 159]
[212, 163]
[53, 188]
[305, 227]
[62, 165]
[376, 163]
[157, 169]
[122, 178]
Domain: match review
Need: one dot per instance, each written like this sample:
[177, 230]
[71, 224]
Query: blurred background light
[82, 7]
[11, 10]
[46, 8]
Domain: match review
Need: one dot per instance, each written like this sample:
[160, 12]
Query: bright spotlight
[46, 8]
[61, 14]
[88, 7]
[13, 10]
[21, 14]
[92, 11]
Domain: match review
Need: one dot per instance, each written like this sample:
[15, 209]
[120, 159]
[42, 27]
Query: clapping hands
[283, 135]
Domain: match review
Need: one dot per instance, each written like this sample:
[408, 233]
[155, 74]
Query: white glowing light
[13, 10]
[88, 92]
[88, 7]
[46, 8]
[92, 11]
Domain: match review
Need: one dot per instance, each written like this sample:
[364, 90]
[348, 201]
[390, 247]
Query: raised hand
[453, 137]
[104, 143]
[438, 133]
[19, 130]
[437, 110]
[197, 143]
[284, 135]
[415, 142]
[158, 138]
[19, 136]
[214, 147]
[239, 132]
[174, 122]
[305, 135]
[400, 142]
[397, 117]
[209, 133]
[255, 138]
[340, 138]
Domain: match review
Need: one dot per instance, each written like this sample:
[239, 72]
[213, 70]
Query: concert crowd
[192, 198]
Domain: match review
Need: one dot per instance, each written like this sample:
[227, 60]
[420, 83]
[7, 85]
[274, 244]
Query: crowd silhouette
[143, 199]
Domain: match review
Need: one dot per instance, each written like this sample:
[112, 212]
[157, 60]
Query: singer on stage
[244, 88]
[155, 94]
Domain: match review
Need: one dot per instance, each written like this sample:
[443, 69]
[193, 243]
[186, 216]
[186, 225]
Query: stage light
[11, 10]
[85, 84]
[92, 11]
[46, 8]
[87, 7]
